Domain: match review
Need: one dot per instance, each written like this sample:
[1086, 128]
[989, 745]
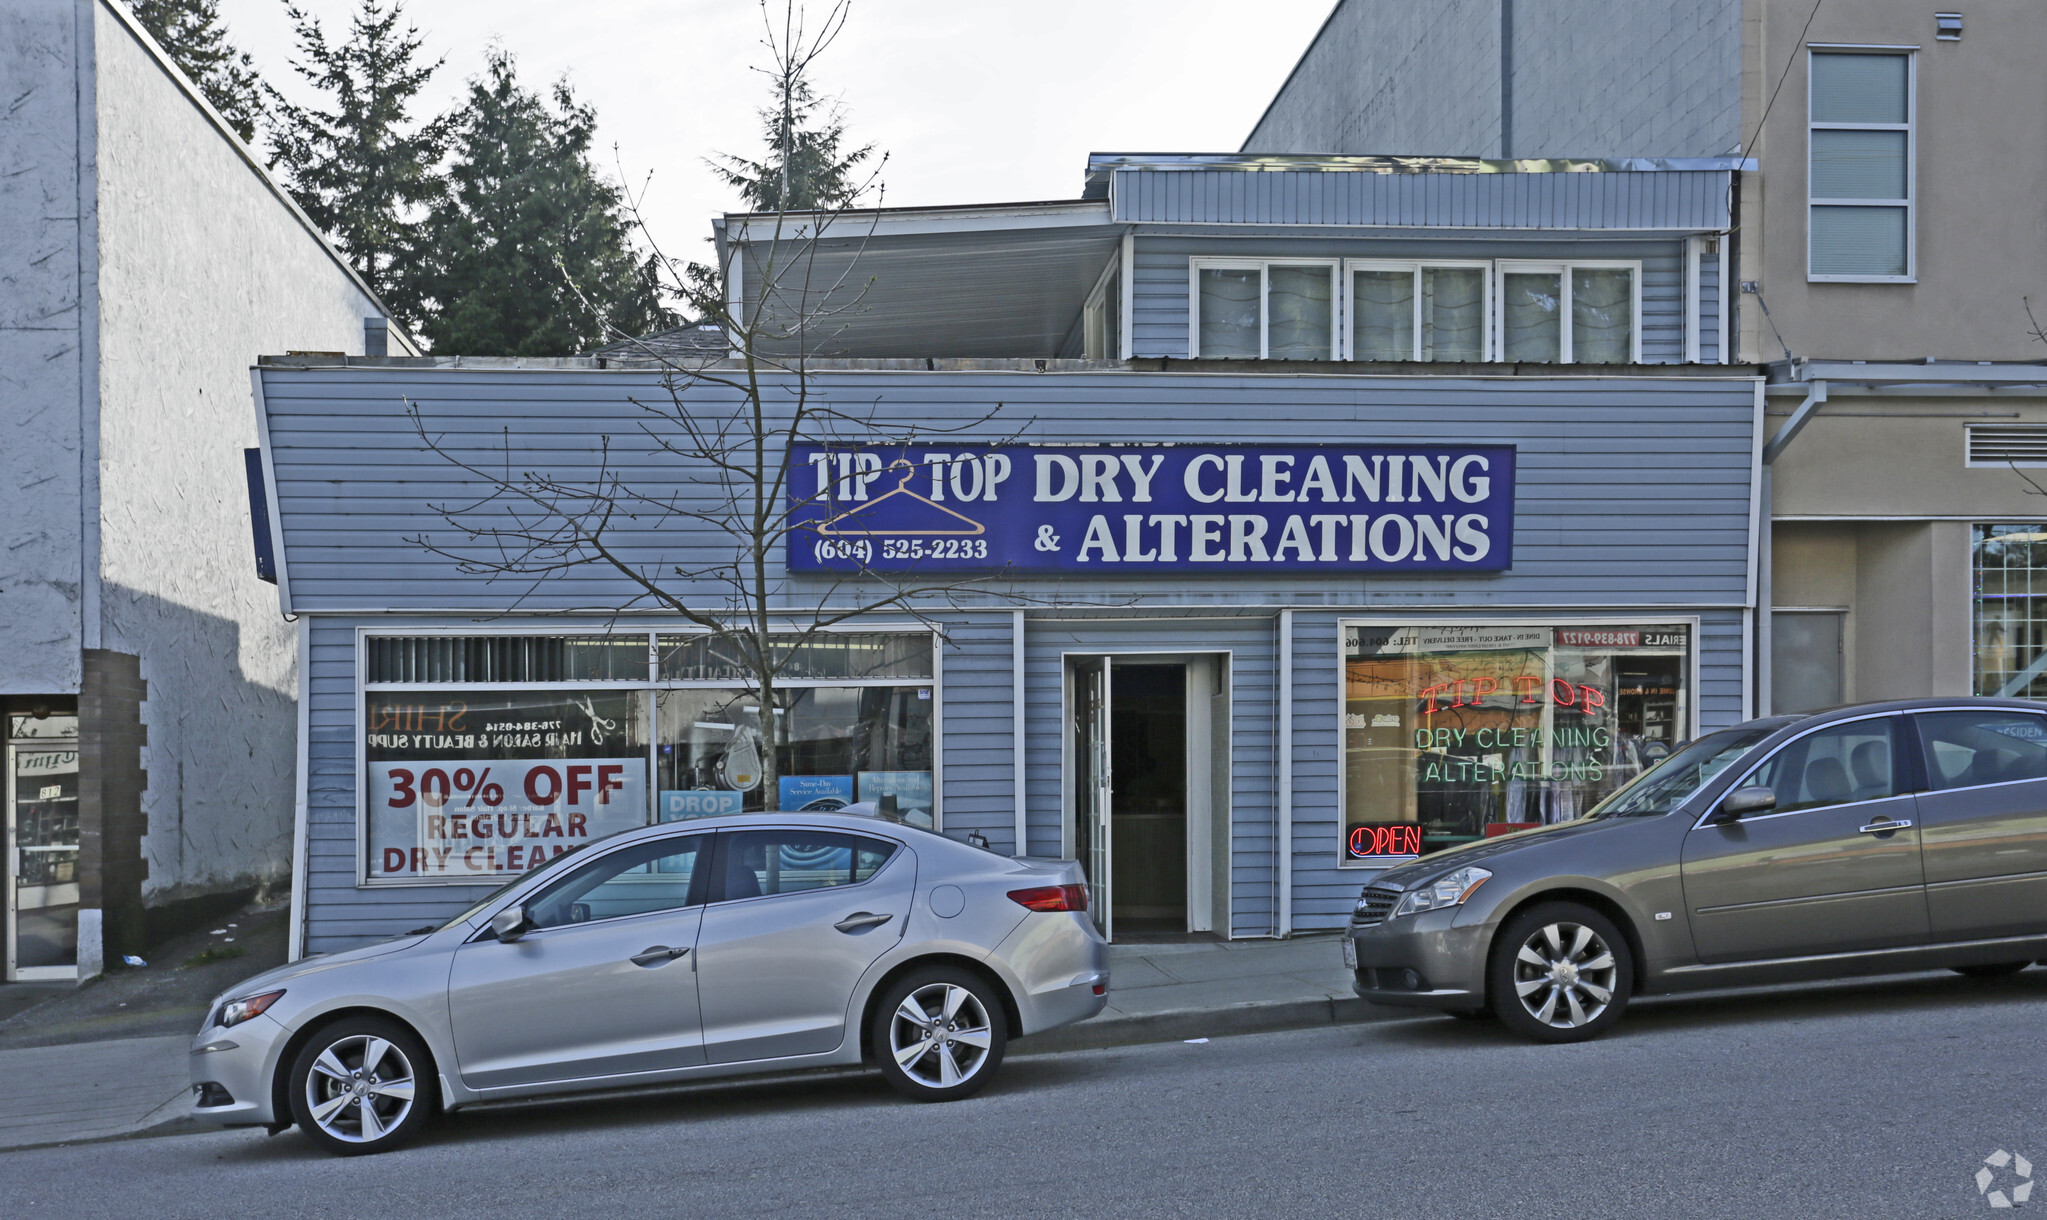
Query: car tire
[939, 1034]
[1995, 970]
[1560, 972]
[362, 1085]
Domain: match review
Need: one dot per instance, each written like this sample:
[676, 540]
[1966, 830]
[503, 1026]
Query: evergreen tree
[529, 251]
[804, 156]
[358, 164]
[191, 31]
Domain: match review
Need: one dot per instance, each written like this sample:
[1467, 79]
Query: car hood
[317, 963]
[1430, 867]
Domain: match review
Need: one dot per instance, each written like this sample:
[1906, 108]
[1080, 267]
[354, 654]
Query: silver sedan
[675, 952]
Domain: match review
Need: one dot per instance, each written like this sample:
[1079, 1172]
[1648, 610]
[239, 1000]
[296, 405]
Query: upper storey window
[1577, 312]
[1860, 167]
[1570, 313]
[1419, 311]
[1253, 310]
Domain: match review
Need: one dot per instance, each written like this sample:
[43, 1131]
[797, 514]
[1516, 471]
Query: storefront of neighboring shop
[1234, 641]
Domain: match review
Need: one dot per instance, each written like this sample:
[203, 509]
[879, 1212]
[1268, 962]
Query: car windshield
[1672, 782]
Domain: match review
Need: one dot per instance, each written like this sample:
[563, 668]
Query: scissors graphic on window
[599, 725]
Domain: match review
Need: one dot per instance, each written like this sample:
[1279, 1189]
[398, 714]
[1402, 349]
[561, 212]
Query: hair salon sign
[1083, 509]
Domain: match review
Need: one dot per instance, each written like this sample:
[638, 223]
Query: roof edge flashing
[1101, 164]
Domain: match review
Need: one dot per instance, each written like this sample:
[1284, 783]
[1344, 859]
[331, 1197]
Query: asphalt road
[1856, 1100]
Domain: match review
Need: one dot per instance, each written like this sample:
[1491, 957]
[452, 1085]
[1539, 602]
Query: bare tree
[727, 419]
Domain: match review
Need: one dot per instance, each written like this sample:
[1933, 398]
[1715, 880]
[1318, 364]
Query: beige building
[1883, 250]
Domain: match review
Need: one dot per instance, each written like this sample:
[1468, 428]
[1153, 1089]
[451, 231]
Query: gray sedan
[1862, 840]
[676, 952]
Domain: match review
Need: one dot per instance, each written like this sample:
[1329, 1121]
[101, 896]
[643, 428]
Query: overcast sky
[974, 100]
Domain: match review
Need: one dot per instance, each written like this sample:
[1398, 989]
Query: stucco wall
[1896, 457]
[1907, 588]
[1981, 170]
[1590, 78]
[46, 219]
[203, 268]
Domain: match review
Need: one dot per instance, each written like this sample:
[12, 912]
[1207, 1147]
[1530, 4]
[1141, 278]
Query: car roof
[1845, 710]
[865, 823]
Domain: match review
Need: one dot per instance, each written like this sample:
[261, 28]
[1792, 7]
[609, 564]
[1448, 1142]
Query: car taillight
[1052, 897]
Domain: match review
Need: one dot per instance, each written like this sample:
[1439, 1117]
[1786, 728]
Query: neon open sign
[1385, 839]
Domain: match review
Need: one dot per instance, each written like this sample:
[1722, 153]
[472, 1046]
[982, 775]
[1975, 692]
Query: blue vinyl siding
[1631, 491]
[1160, 300]
[977, 765]
[1669, 200]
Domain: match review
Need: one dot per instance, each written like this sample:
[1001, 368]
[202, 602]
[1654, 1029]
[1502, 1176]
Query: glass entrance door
[42, 863]
[1148, 740]
[1092, 773]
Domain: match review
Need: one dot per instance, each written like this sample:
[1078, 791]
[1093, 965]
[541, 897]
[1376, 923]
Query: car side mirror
[1742, 802]
[509, 924]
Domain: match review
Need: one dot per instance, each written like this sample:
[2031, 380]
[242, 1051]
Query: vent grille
[2007, 445]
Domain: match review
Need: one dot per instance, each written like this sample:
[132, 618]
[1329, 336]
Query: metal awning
[1007, 280]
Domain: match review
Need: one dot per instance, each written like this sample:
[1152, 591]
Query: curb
[1257, 1017]
[1261, 1016]
[182, 1124]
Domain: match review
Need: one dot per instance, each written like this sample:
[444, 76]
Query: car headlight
[234, 1012]
[1448, 890]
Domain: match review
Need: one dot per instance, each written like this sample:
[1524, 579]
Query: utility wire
[1781, 78]
[1756, 286]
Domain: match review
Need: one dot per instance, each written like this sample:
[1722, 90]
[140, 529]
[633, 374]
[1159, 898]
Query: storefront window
[1456, 733]
[479, 783]
[2011, 610]
[838, 745]
[471, 784]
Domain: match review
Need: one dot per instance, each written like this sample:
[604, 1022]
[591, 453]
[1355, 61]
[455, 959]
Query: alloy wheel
[360, 1089]
[939, 1035]
[1565, 974]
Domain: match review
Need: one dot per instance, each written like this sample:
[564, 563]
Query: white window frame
[1416, 266]
[1910, 203]
[1098, 311]
[1563, 269]
[1195, 266]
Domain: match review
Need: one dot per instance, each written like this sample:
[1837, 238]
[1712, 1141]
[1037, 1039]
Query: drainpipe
[1815, 398]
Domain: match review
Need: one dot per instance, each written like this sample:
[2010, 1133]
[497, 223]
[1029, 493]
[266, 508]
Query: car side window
[1969, 749]
[637, 880]
[1837, 765]
[762, 862]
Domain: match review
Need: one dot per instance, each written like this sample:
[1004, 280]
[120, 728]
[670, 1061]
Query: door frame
[8, 870]
[1201, 822]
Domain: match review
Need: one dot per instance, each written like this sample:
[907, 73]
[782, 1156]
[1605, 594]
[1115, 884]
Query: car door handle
[657, 955]
[861, 919]
[1878, 828]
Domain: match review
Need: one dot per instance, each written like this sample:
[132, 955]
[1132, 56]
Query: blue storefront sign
[1134, 509]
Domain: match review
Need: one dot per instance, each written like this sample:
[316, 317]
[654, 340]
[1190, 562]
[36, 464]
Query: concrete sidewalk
[88, 1091]
[110, 1089]
[1159, 993]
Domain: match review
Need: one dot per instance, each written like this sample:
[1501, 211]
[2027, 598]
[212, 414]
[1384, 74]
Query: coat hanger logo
[842, 526]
